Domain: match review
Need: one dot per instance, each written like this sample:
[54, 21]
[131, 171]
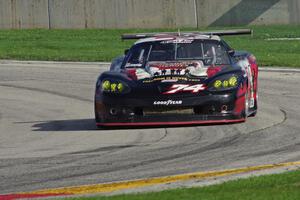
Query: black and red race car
[178, 79]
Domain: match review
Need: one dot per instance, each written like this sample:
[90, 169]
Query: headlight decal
[106, 85]
[233, 81]
[218, 84]
[116, 87]
[227, 82]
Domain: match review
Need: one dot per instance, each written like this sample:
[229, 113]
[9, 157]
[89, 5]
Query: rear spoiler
[218, 33]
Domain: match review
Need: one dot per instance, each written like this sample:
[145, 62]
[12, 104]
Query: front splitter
[161, 123]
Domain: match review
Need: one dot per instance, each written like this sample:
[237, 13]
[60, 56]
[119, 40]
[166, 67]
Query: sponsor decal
[251, 102]
[142, 74]
[174, 65]
[128, 65]
[195, 68]
[166, 79]
[137, 74]
[185, 88]
[170, 79]
[178, 41]
[163, 37]
[168, 102]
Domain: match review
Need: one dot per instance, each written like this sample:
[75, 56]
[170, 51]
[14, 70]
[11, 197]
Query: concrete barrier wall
[24, 14]
[76, 14]
[121, 13]
[244, 12]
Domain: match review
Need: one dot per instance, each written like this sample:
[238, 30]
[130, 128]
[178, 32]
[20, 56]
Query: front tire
[97, 118]
[253, 114]
[246, 109]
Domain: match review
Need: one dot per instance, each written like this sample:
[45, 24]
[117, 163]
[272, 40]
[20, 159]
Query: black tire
[246, 110]
[253, 114]
[99, 127]
[97, 118]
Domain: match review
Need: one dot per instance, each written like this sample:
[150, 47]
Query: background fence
[19, 14]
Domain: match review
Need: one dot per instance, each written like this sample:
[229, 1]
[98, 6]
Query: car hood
[161, 71]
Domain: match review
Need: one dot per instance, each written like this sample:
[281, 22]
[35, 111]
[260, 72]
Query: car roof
[166, 37]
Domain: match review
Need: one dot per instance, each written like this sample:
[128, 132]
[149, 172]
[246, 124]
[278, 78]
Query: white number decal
[183, 87]
[195, 88]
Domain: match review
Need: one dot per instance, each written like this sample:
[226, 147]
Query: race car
[178, 79]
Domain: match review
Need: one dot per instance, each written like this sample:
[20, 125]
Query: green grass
[270, 187]
[271, 53]
[103, 45]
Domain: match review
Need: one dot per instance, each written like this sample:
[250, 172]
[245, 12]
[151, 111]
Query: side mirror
[126, 51]
[231, 52]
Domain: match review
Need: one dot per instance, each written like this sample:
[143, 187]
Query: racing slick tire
[97, 118]
[245, 113]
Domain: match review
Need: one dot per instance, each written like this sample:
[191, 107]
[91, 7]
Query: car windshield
[209, 51]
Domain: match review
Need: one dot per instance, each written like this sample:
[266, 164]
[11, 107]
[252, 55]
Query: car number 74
[185, 88]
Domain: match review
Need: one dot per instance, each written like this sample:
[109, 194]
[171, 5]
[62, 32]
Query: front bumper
[206, 109]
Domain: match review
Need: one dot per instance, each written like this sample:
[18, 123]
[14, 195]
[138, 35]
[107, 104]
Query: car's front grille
[169, 110]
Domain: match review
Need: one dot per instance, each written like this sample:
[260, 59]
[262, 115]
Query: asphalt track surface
[48, 137]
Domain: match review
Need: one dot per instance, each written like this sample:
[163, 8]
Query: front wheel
[97, 118]
[246, 109]
[253, 114]
[254, 109]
